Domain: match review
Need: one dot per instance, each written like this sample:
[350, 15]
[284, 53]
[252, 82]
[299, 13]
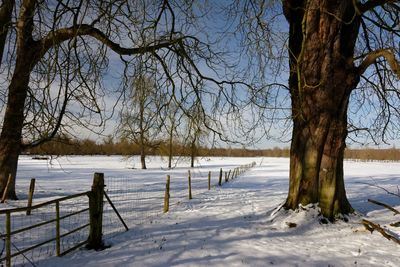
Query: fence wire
[40, 235]
[136, 202]
[140, 203]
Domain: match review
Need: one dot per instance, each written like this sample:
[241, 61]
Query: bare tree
[55, 55]
[172, 124]
[343, 83]
[140, 121]
[334, 47]
[195, 130]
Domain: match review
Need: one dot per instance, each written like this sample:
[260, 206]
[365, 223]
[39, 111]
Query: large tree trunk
[10, 138]
[322, 76]
[316, 161]
[11, 133]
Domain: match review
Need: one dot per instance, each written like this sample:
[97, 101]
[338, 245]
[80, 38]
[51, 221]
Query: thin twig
[384, 205]
[380, 187]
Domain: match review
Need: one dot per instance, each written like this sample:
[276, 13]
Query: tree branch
[374, 55]
[384, 205]
[61, 35]
[370, 226]
[371, 4]
[6, 9]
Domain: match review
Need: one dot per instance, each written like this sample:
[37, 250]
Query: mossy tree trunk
[322, 77]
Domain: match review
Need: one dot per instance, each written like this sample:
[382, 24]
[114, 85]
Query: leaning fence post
[166, 196]
[209, 180]
[3, 199]
[220, 177]
[190, 185]
[30, 196]
[96, 212]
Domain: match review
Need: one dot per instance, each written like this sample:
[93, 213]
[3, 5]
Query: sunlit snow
[237, 224]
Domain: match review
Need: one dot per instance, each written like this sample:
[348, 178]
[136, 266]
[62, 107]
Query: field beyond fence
[54, 228]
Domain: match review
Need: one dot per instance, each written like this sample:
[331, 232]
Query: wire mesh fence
[139, 203]
[56, 227]
[52, 229]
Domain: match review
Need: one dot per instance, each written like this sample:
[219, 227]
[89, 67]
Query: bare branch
[5, 20]
[384, 205]
[370, 226]
[57, 37]
[371, 4]
[374, 55]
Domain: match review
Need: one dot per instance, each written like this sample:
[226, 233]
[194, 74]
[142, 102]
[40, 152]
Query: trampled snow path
[235, 225]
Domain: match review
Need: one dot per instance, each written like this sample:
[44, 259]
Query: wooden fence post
[8, 239]
[209, 180]
[58, 239]
[96, 212]
[30, 196]
[220, 177]
[166, 196]
[190, 185]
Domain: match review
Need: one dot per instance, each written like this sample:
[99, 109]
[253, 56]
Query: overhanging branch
[61, 35]
[374, 55]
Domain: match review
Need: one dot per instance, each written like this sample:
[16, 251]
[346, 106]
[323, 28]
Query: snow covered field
[233, 225]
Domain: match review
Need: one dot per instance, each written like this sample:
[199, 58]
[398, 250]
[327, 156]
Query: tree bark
[322, 76]
[11, 134]
[10, 138]
[143, 157]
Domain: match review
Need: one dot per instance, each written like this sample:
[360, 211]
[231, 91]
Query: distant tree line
[69, 146]
[373, 154]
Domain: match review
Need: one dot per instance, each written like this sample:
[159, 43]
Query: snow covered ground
[233, 225]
